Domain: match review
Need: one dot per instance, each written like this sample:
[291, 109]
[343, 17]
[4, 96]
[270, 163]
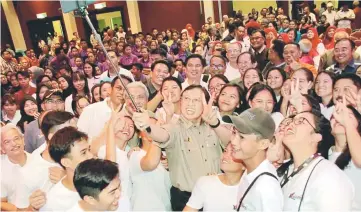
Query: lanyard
[285, 178]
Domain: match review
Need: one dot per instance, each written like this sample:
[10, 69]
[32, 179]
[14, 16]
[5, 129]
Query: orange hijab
[269, 40]
[328, 41]
[315, 41]
[284, 37]
[191, 32]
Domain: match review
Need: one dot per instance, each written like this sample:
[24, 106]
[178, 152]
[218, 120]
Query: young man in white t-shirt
[12, 164]
[259, 189]
[98, 190]
[312, 183]
[68, 147]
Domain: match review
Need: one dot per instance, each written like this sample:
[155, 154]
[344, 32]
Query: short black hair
[295, 44]
[58, 50]
[278, 47]
[280, 70]
[171, 78]
[121, 76]
[53, 118]
[260, 31]
[352, 43]
[22, 73]
[139, 66]
[93, 175]
[159, 51]
[179, 60]
[191, 87]
[192, 56]
[63, 140]
[160, 62]
[4, 50]
[220, 57]
[353, 77]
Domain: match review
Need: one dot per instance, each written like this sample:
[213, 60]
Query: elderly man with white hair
[12, 164]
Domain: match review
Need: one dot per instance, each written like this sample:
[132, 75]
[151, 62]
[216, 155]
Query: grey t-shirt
[33, 136]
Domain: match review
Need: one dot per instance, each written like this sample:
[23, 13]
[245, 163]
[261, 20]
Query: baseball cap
[253, 121]
[329, 4]
[55, 92]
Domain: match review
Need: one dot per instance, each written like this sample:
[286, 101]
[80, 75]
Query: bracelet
[217, 125]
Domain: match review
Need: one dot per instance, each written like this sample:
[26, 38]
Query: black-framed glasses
[296, 121]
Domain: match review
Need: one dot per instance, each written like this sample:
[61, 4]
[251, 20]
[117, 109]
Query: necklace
[307, 162]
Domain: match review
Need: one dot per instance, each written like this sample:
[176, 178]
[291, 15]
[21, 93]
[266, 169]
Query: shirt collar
[151, 87]
[261, 50]
[263, 167]
[350, 64]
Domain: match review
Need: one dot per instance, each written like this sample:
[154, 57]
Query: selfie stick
[84, 14]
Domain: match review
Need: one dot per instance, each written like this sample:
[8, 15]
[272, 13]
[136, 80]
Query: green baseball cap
[253, 121]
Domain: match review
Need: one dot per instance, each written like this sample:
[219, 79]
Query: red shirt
[19, 96]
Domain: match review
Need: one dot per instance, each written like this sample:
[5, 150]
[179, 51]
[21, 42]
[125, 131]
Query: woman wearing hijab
[328, 40]
[284, 37]
[271, 34]
[317, 46]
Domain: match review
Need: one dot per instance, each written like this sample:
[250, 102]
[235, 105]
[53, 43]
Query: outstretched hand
[296, 96]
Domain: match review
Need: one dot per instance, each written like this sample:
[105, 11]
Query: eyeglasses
[296, 121]
[217, 67]
[217, 87]
[51, 101]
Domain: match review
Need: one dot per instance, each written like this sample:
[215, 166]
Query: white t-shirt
[36, 176]
[328, 189]
[106, 76]
[123, 163]
[16, 118]
[93, 118]
[211, 194]
[124, 205]
[232, 73]
[327, 111]
[60, 198]
[185, 84]
[151, 189]
[68, 101]
[265, 194]
[354, 174]
[11, 175]
[92, 81]
[277, 118]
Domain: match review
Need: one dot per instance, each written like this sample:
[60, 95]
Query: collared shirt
[192, 151]
[106, 76]
[128, 60]
[328, 188]
[341, 15]
[14, 120]
[261, 57]
[7, 66]
[19, 96]
[152, 90]
[330, 17]
[146, 64]
[265, 194]
[351, 67]
[185, 84]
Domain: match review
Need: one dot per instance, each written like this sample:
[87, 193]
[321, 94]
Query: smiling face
[343, 87]
[251, 77]
[140, 99]
[159, 73]
[194, 69]
[124, 129]
[30, 108]
[323, 85]
[12, 143]
[229, 99]
[263, 100]
[343, 52]
[274, 79]
[170, 87]
[215, 86]
[227, 162]
[192, 104]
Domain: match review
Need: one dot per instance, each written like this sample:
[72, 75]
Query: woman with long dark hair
[346, 128]
[29, 112]
[90, 73]
[80, 84]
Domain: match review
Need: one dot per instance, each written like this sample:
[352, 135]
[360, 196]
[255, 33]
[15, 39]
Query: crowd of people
[256, 113]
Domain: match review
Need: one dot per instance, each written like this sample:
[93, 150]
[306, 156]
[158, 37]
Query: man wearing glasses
[259, 49]
[53, 100]
[233, 51]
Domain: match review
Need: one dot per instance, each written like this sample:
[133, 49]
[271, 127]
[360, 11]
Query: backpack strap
[251, 185]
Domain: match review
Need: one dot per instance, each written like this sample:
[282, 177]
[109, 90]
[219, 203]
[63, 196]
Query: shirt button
[202, 146]
[205, 160]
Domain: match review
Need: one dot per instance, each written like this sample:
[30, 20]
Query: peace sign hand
[340, 113]
[209, 115]
[168, 105]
